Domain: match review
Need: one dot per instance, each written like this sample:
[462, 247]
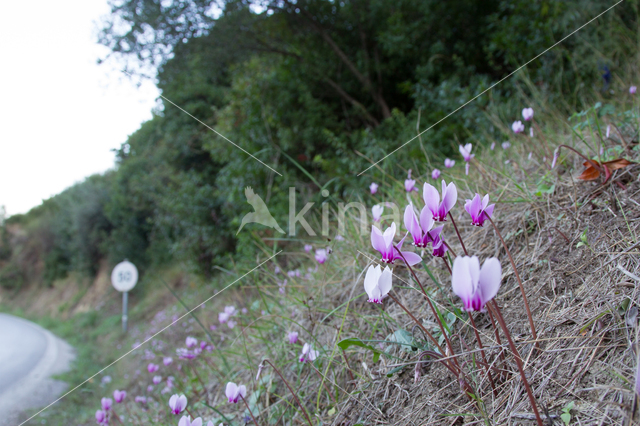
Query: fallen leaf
[591, 173]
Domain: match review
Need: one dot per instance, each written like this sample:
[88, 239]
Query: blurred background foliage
[309, 87]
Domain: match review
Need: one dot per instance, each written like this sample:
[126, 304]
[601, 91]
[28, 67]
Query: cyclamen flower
[449, 163]
[321, 256]
[230, 310]
[177, 403]
[439, 248]
[493, 145]
[530, 132]
[293, 337]
[167, 360]
[152, 368]
[474, 285]
[555, 158]
[420, 231]
[377, 283]
[431, 198]
[308, 248]
[119, 395]
[435, 174]
[191, 342]
[506, 145]
[339, 237]
[223, 317]
[234, 392]
[106, 379]
[517, 127]
[101, 417]
[157, 379]
[376, 211]
[632, 90]
[479, 210]
[465, 151]
[141, 399]
[231, 324]
[106, 403]
[186, 421]
[410, 184]
[384, 244]
[373, 188]
[308, 353]
[527, 114]
[608, 130]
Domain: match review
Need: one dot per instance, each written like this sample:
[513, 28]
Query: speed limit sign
[124, 276]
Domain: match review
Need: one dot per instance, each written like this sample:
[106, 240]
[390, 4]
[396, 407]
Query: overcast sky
[60, 112]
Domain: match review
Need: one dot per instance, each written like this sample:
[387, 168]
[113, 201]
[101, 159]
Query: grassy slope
[579, 297]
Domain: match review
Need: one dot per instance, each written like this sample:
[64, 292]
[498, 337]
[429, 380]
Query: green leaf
[353, 341]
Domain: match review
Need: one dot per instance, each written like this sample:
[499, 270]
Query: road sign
[124, 276]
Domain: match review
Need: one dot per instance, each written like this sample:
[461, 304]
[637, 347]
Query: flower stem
[433, 309]
[524, 294]
[459, 237]
[429, 335]
[450, 249]
[484, 358]
[249, 410]
[290, 390]
[591, 162]
[325, 384]
[516, 354]
[444, 259]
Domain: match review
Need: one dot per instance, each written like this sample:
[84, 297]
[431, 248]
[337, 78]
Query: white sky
[60, 113]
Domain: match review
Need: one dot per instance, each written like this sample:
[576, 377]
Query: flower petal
[385, 282]
[377, 239]
[426, 219]
[449, 196]
[389, 235]
[411, 223]
[371, 279]
[411, 257]
[461, 283]
[431, 197]
[490, 277]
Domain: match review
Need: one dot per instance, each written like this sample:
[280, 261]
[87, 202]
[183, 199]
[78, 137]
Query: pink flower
[223, 317]
[152, 368]
[101, 417]
[377, 211]
[231, 323]
[377, 283]
[235, 392]
[230, 310]
[431, 198]
[530, 132]
[384, 244]
[186, 421]
[439, 248]
[479, 210]
[177, 403]
[308, 248]
[608, 129]
[435, 174]
[293, 337]
[191, 342]
[465, 151]
[157, 379]
[106, 403]
[321, 256]
[517, 127]
[449, 163]
[632, 90]
[555, 158]
[474, 285]
[167, 360]
[419, 230]
[527, 114]
[119, 395]
[150, 388]
[308, 353]
[141, 399]
[373, 188]
[410, 185]
[493, 145]
[506, 145]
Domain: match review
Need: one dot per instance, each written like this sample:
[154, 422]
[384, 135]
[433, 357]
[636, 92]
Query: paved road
[29, 356]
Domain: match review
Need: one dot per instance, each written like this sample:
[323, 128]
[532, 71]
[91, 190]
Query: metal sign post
[123, 278]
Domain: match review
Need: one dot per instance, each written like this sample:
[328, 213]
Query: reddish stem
[433, 309]
[516, 354]
[428, 334]
[444, 259]
[593, 164]
[457, 232]
[450, 249]
[290, 390]
[484, 358]
[515, 270]
[249, 410]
